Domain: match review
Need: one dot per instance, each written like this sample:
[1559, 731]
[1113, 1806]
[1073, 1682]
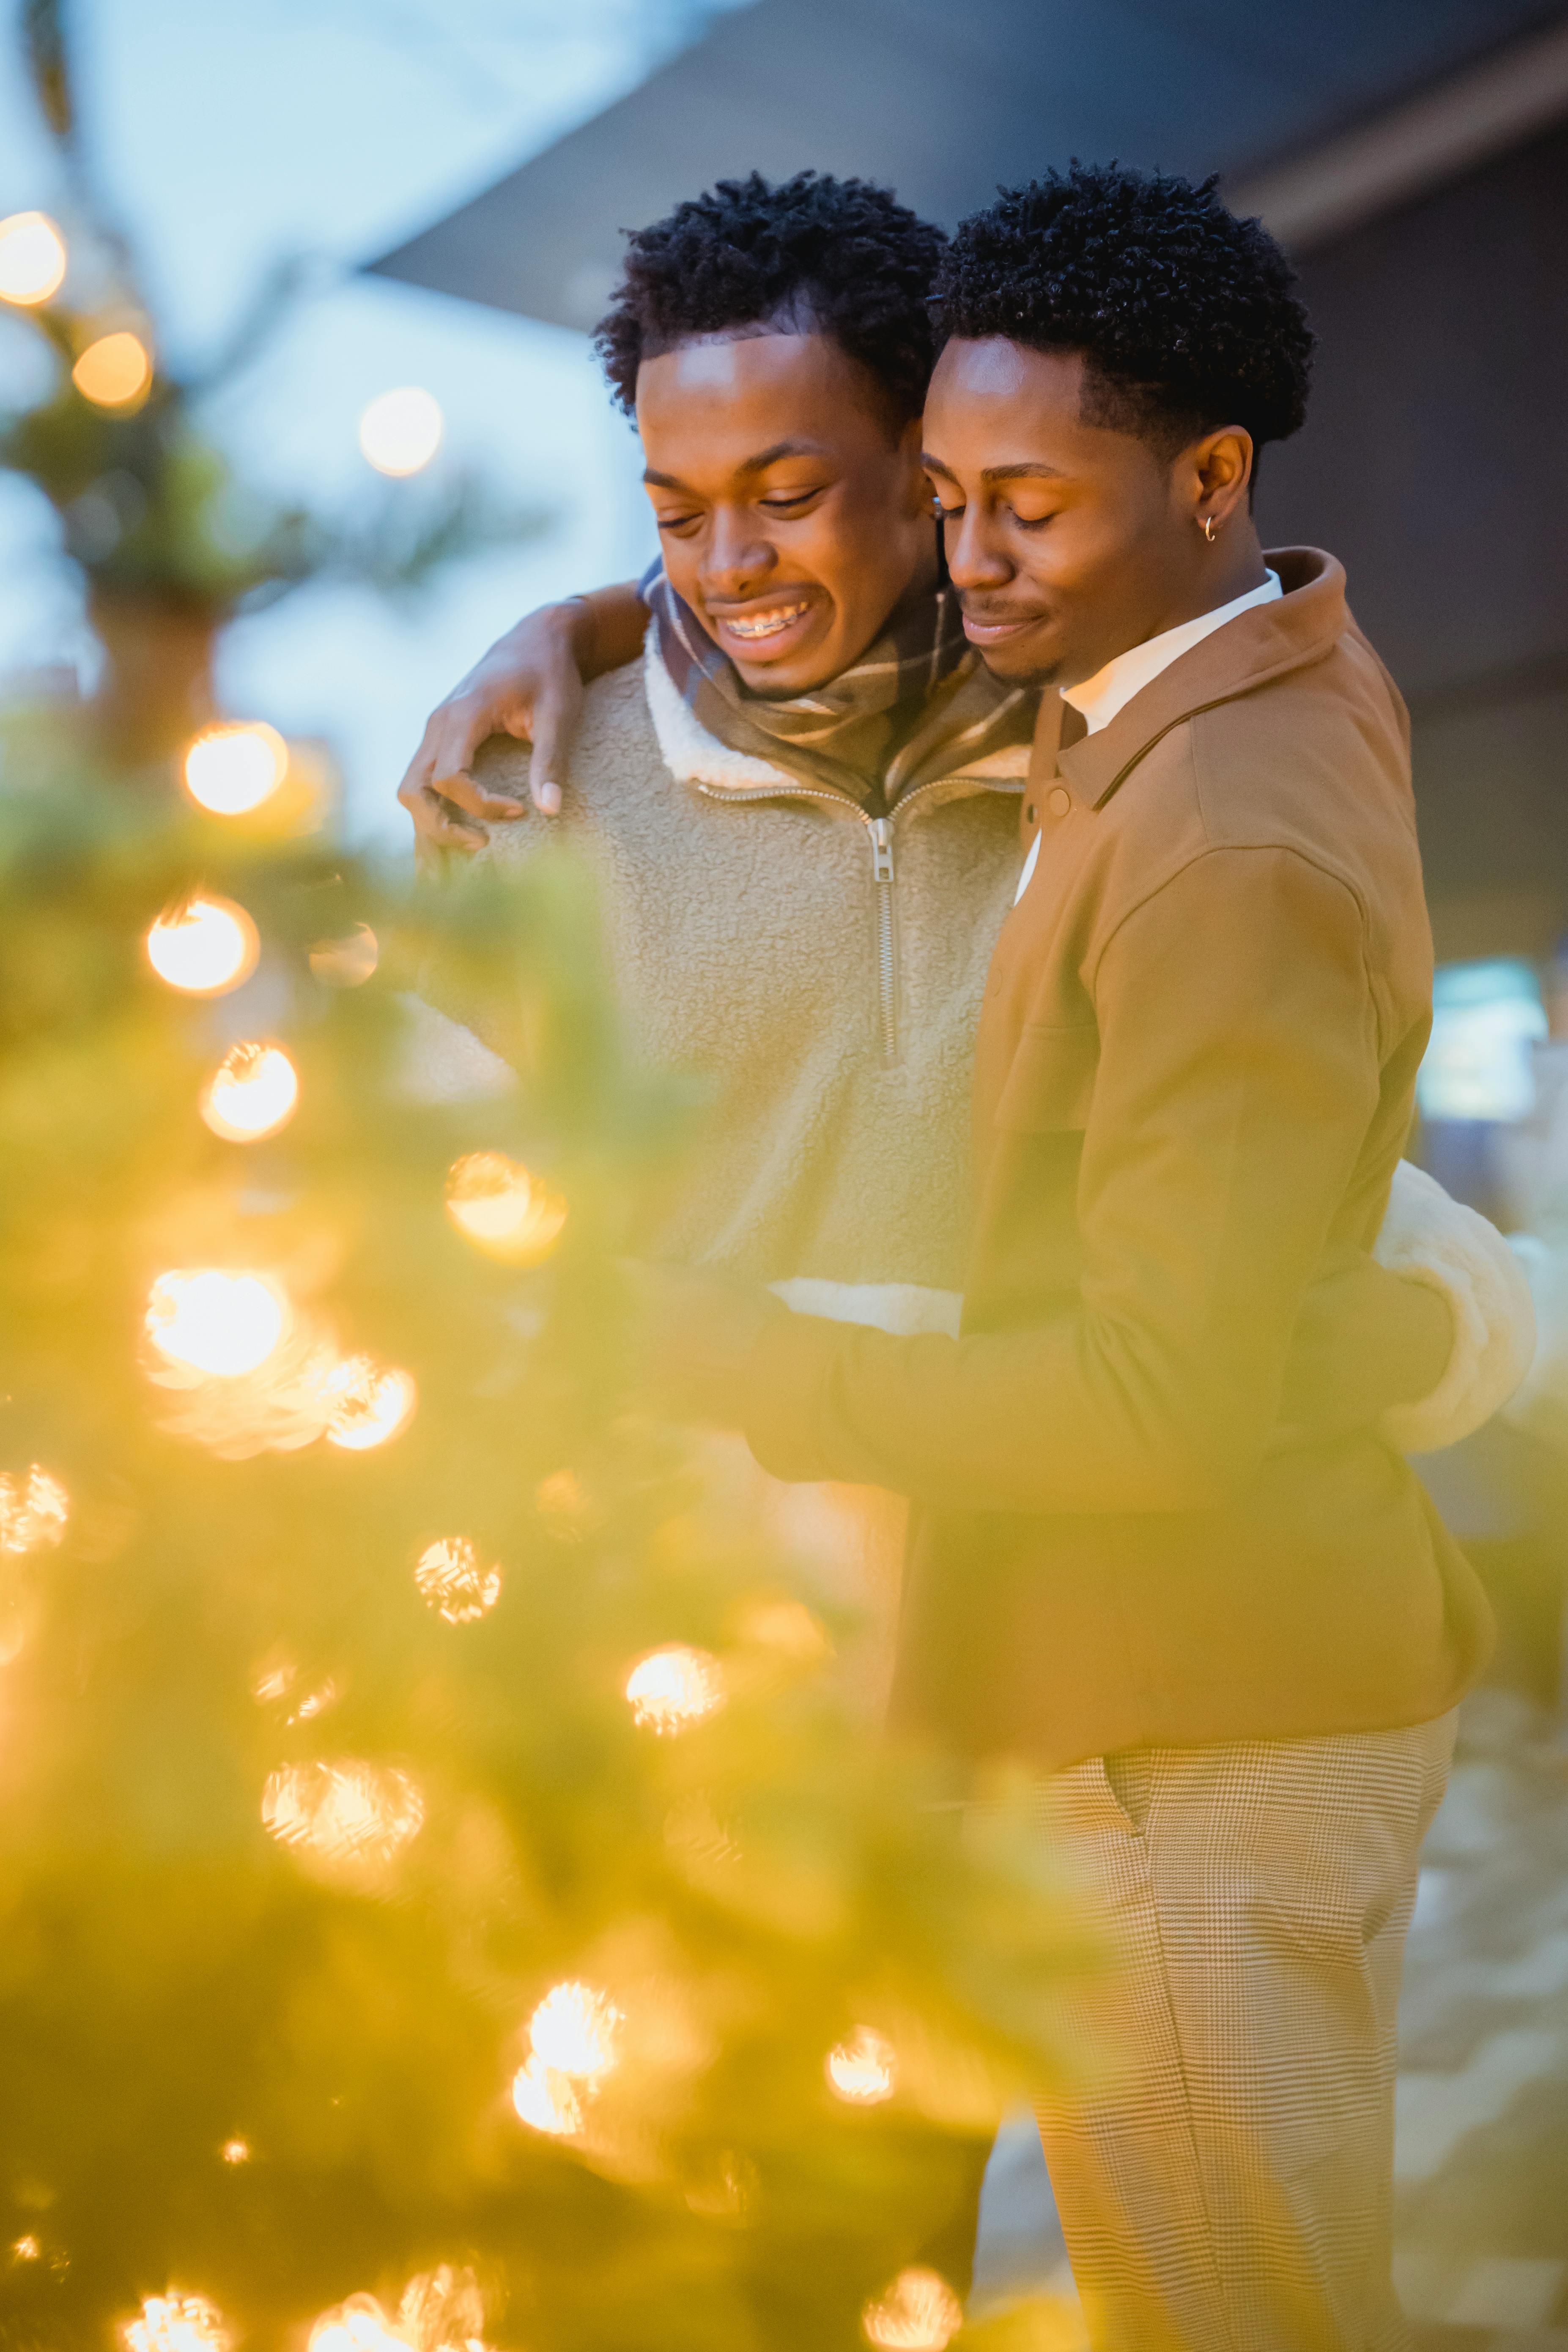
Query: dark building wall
[1436, 464]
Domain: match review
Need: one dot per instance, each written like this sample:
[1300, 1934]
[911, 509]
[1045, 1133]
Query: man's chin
[1018, 667]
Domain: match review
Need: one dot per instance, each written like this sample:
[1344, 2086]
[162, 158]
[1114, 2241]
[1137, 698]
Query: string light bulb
[674, 1687]
[217, 1323]
[33, 1510]
[178, 2323]
[863, 2071]
[574, 2037]
[236, 2151]
[234, 768]
[348, 1820]
[204, 947]
[502, 1209]
[32, 259]
[115, 372]
[252, 1093]
[452, 1578]
[400, 431]
[369, 1404]
[357, 2325]
[919, 2313]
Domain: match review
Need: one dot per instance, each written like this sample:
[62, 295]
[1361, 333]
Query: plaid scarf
[946, 709]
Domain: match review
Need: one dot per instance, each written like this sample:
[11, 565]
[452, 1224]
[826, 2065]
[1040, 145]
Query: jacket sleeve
[1239, 1075]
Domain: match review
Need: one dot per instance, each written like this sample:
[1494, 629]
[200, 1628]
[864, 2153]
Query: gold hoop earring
[1205, 524]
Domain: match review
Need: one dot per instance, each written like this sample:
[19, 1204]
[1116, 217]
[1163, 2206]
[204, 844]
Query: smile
[765, 624]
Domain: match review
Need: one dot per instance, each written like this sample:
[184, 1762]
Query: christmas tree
[447, 1898]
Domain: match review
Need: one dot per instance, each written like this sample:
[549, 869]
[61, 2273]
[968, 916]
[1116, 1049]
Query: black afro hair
[842, 253]
[1187, 318]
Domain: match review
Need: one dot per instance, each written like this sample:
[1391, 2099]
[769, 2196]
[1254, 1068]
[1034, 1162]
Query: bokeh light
[443, 2310]
[217, 1323]
[115, 372]
[347, 1820]
[204, 947]
[178, 2323]
[503, 1209]
[454, 1581]
[400, 431]
[232, 769]
[32, 259]
[33, 1510]
[675, 1686]
[546, 2101]
[25, 2250]
[369, 1404]
[359, 2325]
[919, 2313]
[574, 2030]
[236, 2151]
[251, 1093]
[347, 963]
[573, 2036]
[863, 2071]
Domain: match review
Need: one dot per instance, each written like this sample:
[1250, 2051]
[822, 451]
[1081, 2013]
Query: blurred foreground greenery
[357, 1938]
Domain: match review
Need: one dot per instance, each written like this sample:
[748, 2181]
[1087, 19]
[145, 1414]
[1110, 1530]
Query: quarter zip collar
[1298, 627]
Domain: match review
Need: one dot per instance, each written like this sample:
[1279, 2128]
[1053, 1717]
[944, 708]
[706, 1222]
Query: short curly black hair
[841, 255]
[1187, 318]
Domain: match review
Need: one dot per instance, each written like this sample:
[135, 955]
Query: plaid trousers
[1224, 2166]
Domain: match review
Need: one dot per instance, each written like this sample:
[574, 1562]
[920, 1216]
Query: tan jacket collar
[1297, 627]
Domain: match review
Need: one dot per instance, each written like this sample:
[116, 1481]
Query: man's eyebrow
[757, 465]
[1025, 466]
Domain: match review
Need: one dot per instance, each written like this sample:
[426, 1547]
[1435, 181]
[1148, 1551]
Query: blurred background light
[919, 2313]
[502, 1207]
[232, 769]
[347, 1820]
[1486, 1017]
[32, 259]
[453, 1580]
[115, 372]
[675, 1686]
[400, 431]
[251, 1093]
[204, 947]
[221, 1324]
[178, 2323]
[864, 2070]
[347, 963]
[369, 1404]
[33, 1510]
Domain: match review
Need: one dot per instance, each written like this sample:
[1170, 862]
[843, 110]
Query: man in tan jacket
[804, 873]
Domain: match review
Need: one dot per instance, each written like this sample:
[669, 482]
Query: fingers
[452, 737]
[556, 711]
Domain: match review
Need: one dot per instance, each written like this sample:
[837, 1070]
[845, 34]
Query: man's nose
[975, 559]
[737, 558]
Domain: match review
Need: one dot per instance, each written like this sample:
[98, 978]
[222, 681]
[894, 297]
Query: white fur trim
[1432, 1239]
[441, 1061]
[690, 751]
[901, 1308]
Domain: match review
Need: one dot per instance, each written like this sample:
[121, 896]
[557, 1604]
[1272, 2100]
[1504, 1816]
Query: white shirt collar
[1100, 698]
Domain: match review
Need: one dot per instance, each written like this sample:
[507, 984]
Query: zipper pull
[881, 848]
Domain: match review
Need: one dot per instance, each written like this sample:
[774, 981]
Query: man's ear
[1219, 469]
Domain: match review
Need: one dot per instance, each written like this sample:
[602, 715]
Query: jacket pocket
[1049, 1080]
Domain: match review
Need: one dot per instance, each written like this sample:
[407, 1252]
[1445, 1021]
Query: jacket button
[1059, 800]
